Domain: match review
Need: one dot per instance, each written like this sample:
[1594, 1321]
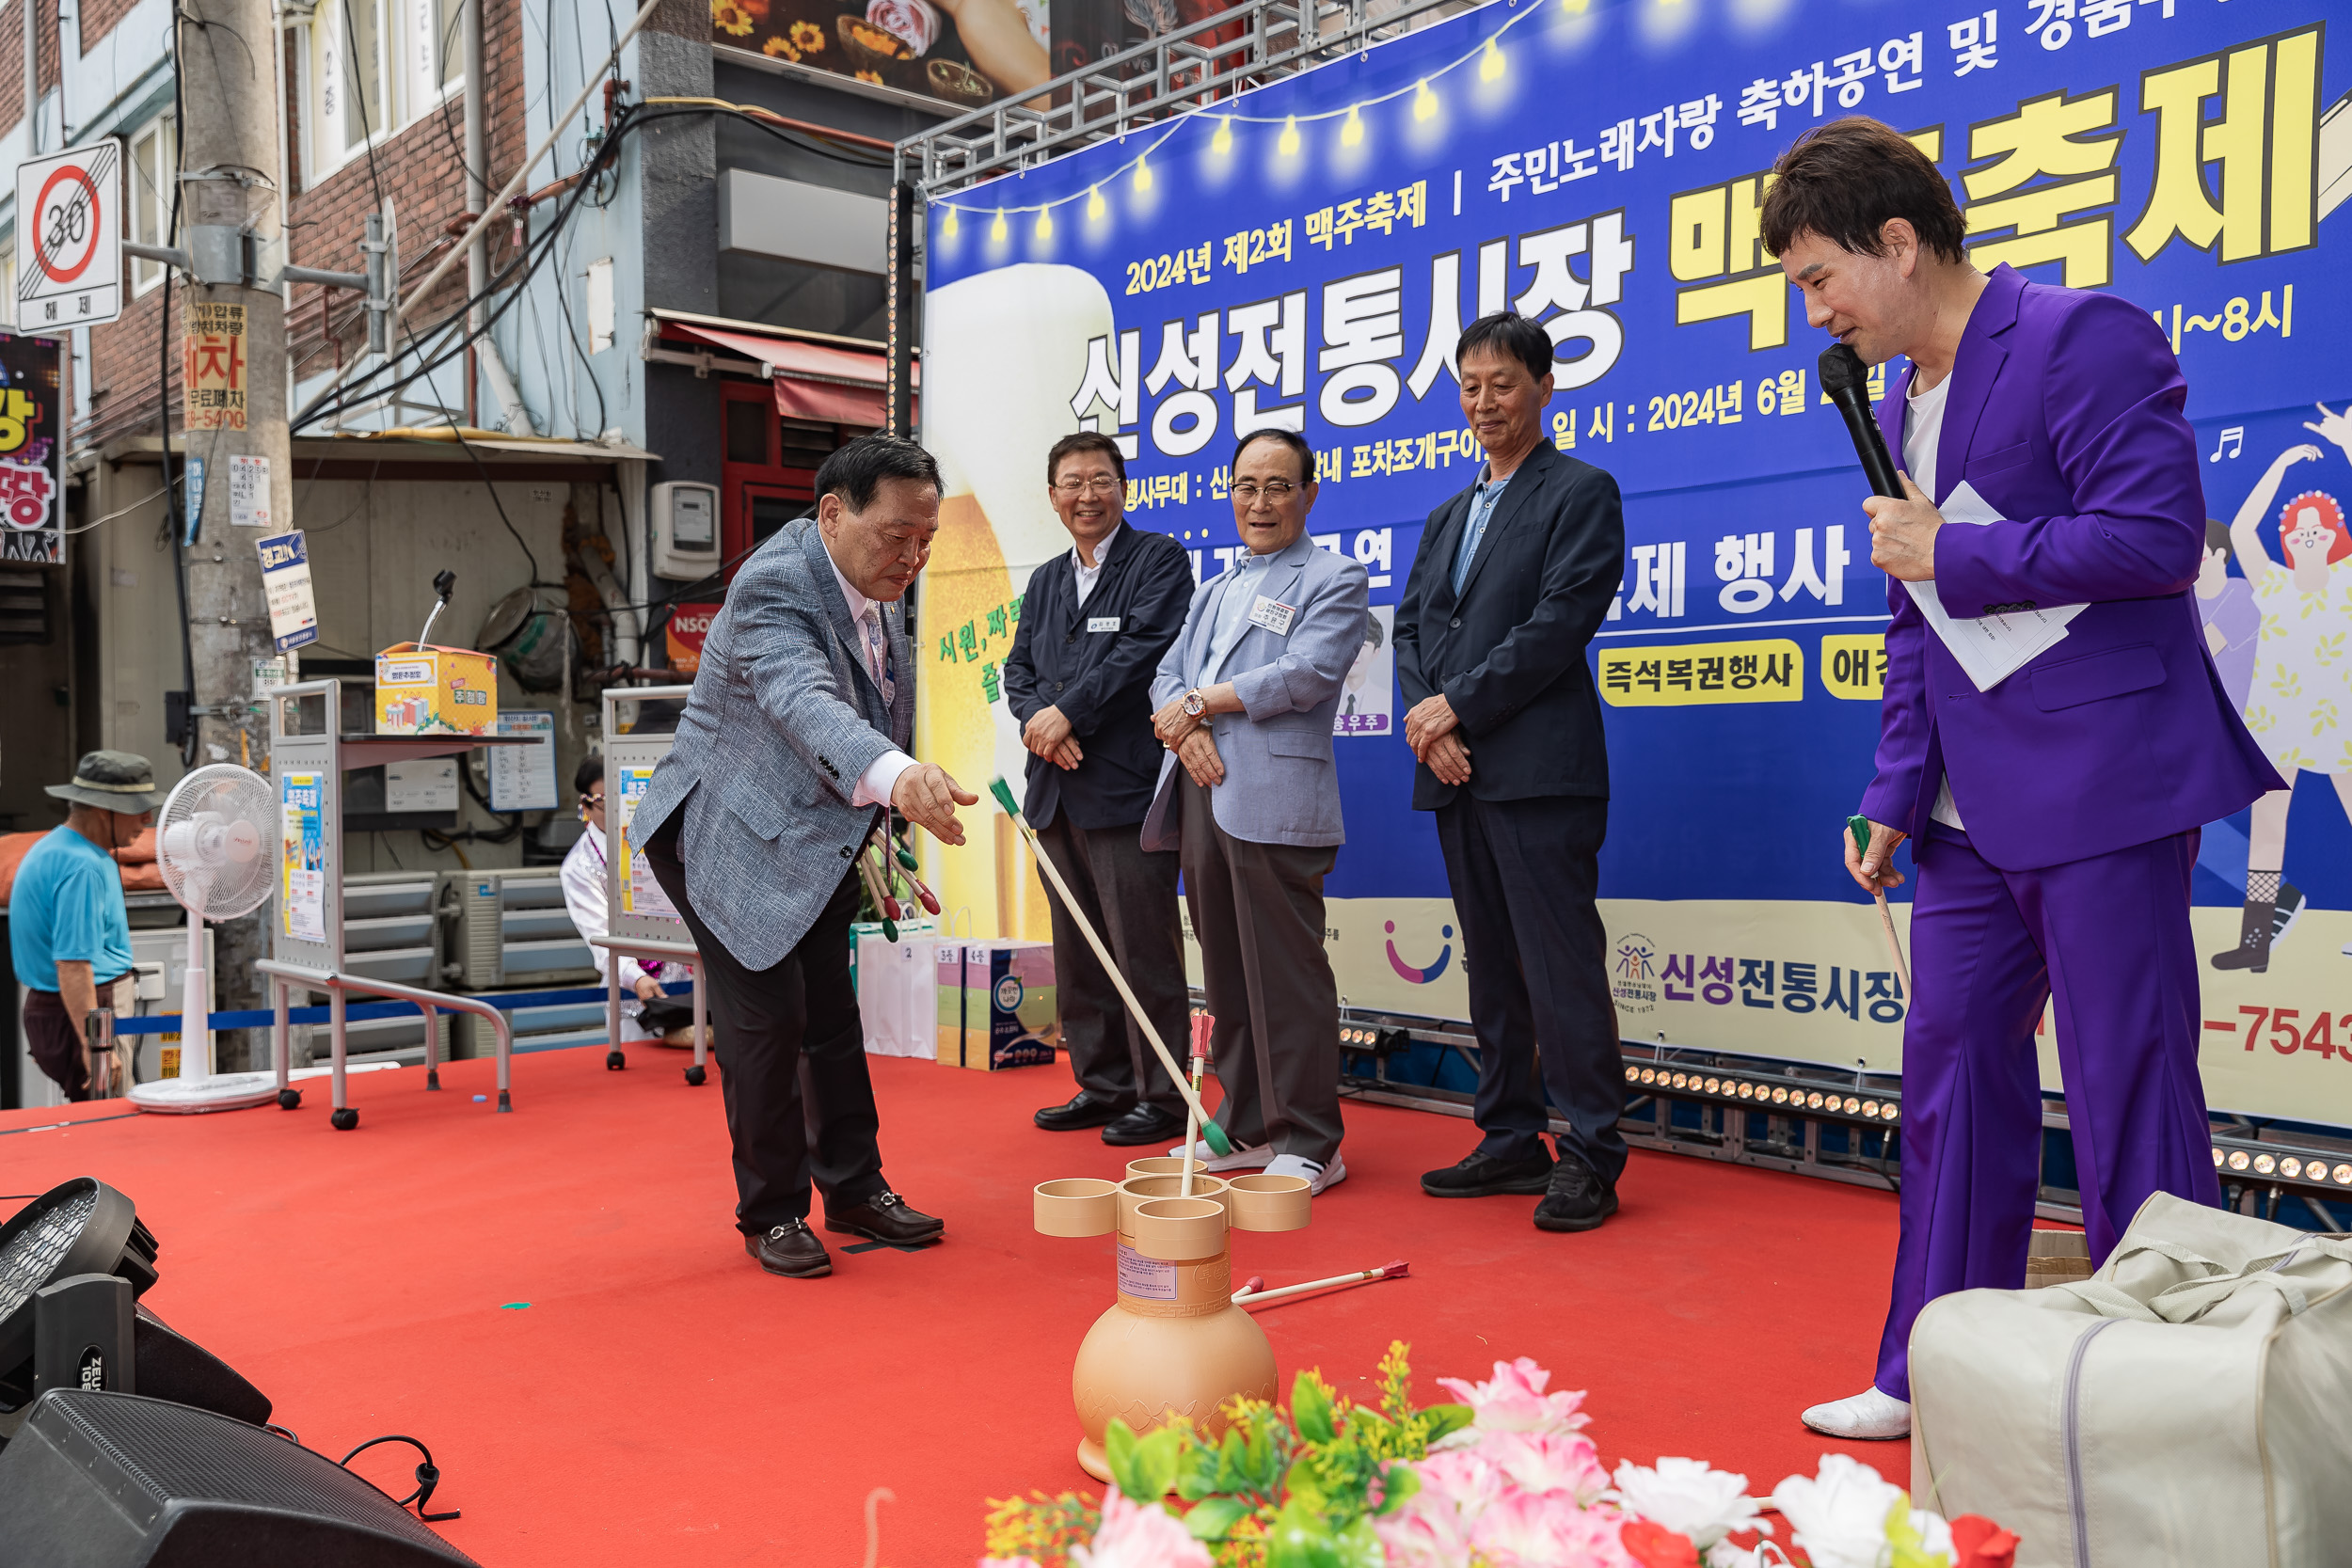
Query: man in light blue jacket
[1250, 796]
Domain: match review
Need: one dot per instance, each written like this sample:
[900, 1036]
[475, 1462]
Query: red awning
[813, 381]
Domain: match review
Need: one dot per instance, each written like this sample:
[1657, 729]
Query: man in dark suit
[1513, 578]
[1093, 625]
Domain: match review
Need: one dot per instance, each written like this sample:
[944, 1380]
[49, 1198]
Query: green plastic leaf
[1300, 1538]
[1311, 1407]
[1120, 1445]
[1214, 1518]
[1442, 1419]
[1156, 1458]
[1399, 1480]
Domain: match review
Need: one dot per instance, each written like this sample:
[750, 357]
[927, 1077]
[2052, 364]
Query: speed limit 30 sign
[68, 224]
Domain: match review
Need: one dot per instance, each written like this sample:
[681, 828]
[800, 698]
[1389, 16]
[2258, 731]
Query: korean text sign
[1305, 255]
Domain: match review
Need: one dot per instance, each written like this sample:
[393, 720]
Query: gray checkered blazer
[782, 722]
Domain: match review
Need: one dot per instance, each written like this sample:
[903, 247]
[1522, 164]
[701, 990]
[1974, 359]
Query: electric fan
[219, 843]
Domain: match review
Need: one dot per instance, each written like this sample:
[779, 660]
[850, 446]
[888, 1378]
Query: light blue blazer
[1281, 783]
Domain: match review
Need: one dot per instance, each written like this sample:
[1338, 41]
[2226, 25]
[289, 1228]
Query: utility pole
[233, 392]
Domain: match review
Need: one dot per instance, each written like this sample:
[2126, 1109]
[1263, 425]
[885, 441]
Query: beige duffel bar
[2190, 1402]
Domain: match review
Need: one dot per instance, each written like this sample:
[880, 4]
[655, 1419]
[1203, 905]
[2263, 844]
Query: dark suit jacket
[1100, 680]
[1510, 655]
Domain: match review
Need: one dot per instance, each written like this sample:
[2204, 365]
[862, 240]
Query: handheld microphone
[1846, 382]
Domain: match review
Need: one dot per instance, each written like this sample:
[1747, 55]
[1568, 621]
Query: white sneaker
[1870, 1415]
[1243, 1157]
[1318, 1176]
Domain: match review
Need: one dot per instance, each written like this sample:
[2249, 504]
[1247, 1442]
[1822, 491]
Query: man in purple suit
[2053, 814]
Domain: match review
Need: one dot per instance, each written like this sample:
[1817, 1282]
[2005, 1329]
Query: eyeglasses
[594, 802]
[1101, 485]
[1275, 491]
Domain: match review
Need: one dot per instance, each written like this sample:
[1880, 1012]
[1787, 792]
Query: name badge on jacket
[1273, 614]
[1102, 622]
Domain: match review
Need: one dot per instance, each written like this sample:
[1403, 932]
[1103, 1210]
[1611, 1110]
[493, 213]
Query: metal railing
[1153, 82]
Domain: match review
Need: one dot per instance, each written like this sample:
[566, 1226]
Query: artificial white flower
[1688, 1497]
[1840, 1517]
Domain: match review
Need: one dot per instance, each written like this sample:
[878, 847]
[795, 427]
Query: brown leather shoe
[792, 1250]
[884, 1217]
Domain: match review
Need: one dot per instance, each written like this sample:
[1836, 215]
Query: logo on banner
[1634, 974]
[1427, 973]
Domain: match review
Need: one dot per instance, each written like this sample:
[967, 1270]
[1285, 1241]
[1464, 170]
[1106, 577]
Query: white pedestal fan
[219, 843]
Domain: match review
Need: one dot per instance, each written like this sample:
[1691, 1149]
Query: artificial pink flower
[1548, 1461]
[1139, 1535]
[1514, 1401]
[1524, 1530]
[1465, 1479]
[1009, 1562]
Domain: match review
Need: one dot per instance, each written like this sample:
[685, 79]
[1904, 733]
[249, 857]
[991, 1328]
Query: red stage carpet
[557, 1303]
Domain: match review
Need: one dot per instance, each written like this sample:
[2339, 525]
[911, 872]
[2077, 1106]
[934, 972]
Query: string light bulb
[1490, 64]
[1425, 103]
[1352, 131]
[1094, 203]
[996, 230]
[1577, 8]
[1222, 142]
[947, 230]
[1288, 146]
[1045, 223]
[1143, 175]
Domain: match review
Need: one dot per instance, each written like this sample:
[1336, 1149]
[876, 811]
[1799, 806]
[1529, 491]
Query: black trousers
[1129, 894]
[1257, 912]
[792, 1059]
[1525, 875]
[55, 1041]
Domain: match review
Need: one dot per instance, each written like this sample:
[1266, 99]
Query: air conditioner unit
[510, 929]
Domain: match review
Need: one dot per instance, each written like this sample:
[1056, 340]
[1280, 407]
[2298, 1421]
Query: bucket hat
[112, 781]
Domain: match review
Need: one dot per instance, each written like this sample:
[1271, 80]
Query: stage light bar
[2258, 1162]
[1881, 1109]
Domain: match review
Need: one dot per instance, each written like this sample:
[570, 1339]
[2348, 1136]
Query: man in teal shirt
[69, 933]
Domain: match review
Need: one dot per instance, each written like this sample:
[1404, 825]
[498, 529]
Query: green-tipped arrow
[1860, 828]
[1210, 1131]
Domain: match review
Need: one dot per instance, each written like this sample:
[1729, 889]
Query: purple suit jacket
[2065, 415]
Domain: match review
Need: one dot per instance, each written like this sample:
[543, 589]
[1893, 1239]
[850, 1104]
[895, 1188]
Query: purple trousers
[2108, 937]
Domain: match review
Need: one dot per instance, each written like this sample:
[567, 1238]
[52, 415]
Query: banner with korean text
[1305, 255]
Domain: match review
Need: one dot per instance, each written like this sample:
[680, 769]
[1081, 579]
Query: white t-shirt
[1923, 427]
[1088, 576]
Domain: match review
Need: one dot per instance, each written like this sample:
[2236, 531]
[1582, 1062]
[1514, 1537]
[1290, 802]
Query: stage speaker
[119, 1481]
[170, 1366]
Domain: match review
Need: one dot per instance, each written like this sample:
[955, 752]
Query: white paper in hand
[1990, 648]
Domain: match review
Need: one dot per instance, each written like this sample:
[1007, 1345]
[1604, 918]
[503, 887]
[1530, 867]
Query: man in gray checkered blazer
[794, 737]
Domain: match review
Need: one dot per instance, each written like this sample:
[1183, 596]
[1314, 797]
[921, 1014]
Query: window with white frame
[154, 166]
[376, 67]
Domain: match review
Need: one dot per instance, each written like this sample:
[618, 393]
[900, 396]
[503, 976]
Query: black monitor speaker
[118, 1480]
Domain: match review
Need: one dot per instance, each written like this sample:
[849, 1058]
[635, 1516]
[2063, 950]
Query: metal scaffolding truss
[1154, 82]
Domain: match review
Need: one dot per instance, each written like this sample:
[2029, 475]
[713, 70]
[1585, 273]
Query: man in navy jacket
[1514, 576]
[1093, 625]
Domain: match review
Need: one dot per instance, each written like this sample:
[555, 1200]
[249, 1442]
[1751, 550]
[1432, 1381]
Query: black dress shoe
[884, 1217]
[1145, 1124]
[792, 1250]
[1084, 1109]
[1482, 1175]
[1576, 1199]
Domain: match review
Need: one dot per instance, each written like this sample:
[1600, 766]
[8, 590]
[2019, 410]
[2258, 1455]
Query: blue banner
[1305, 255]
